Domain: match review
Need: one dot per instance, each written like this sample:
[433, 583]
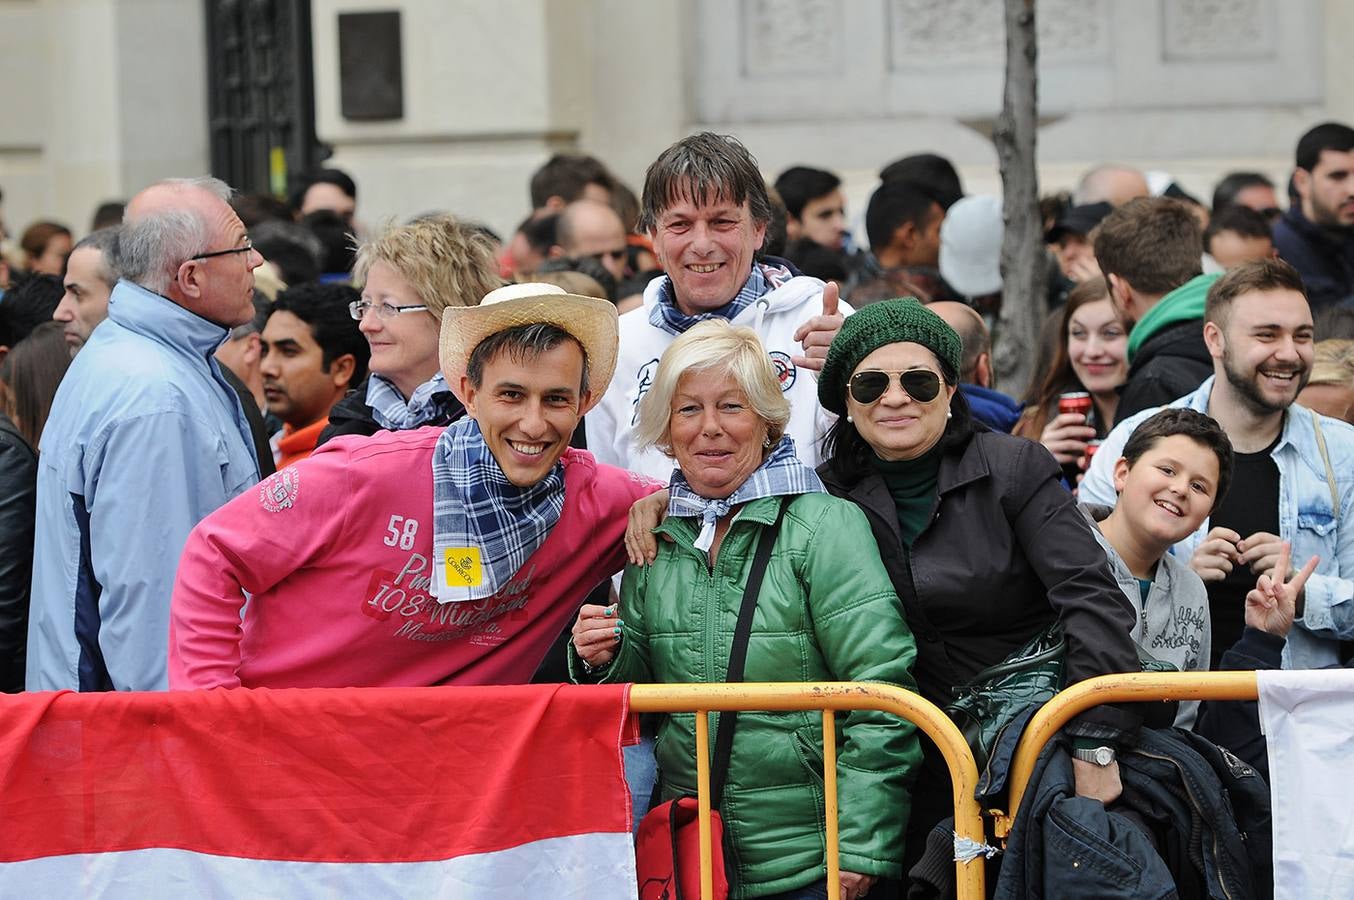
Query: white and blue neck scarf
[763, 279]
[484, 526]
[391, 411]
[779, 475]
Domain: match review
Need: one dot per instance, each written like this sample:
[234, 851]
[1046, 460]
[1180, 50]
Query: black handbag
[1025, 680]
[999, 694]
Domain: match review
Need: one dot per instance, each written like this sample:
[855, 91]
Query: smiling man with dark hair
[706, 209]
[437, 555]
[1293, 468]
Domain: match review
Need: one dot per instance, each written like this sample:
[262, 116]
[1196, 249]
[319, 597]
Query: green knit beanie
[904, 320]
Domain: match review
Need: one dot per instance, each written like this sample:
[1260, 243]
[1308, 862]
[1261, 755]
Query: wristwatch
[1101, 756]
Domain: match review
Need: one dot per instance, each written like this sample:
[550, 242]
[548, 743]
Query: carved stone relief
[924, 33]
[1217, 29]
[791, 37]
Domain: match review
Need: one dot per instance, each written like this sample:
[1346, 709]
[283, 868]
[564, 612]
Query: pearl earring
[949, 414]
[848, 418]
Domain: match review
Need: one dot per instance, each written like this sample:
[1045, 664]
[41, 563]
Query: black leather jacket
[18, 498]
[1006, 552]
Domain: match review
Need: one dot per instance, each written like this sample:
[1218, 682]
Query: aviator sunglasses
[921, 385]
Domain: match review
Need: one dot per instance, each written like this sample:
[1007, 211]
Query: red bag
[667, 847]
[668, 855]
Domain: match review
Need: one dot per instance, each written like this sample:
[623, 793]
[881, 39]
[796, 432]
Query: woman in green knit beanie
[985, 547]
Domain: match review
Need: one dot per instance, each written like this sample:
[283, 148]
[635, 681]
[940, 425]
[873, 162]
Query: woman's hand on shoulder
[1066, 435]
[596, 633]
[646, 514]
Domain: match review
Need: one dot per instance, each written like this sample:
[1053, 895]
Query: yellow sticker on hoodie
[462, 565]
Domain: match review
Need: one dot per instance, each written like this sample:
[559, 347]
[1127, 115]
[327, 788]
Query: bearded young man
[1294, 469]
[1316, 234]
[438, 555]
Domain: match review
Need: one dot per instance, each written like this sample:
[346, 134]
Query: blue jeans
[641, 773]
[815, 891]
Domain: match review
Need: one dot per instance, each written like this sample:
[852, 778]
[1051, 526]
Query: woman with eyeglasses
[984, 546]
[408, 276]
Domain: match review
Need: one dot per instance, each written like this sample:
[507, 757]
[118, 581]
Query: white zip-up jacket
[775, 316]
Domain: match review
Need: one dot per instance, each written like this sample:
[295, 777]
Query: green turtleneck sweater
[912, 482]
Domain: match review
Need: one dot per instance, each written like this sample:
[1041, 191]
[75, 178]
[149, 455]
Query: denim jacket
[1307, 518]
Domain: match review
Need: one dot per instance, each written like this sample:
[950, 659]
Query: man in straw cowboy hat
[415, 557]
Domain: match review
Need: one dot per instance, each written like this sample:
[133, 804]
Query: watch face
[1103, 756]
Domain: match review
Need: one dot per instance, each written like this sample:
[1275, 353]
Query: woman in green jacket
[825, 612]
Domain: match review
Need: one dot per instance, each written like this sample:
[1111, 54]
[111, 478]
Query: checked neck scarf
[391, 411]
[763, 279]
[779, 475]
[484, 526]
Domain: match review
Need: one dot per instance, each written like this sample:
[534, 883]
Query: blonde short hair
[445, 262]
[713, 344]
[1333, 363]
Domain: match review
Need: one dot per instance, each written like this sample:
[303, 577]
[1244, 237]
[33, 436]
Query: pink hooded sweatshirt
[336, 555]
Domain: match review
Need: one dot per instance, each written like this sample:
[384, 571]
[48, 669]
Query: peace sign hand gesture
[1272, 603]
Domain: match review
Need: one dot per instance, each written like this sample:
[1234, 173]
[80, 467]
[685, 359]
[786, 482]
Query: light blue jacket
[1307, 518]
[145, 438]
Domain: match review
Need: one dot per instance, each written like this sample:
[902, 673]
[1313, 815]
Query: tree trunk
[1024, 267]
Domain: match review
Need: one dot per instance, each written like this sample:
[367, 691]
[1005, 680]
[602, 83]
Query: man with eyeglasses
[145, 438]
[587, 228]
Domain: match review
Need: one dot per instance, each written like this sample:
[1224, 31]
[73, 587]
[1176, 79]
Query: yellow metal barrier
[1130, 687]
[827, 696]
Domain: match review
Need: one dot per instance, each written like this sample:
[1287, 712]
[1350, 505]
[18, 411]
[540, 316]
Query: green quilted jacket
[827, 612]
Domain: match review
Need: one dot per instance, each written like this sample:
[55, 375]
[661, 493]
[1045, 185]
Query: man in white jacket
[706, 209]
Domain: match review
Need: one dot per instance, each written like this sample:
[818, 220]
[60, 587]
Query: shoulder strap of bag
[738, 654]
[1325, 458]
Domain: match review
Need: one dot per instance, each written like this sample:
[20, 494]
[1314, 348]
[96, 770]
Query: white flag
[1308, 719]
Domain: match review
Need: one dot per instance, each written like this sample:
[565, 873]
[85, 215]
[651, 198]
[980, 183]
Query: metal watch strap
[1100, 756]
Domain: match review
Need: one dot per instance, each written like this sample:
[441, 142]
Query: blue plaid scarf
[392, 411]
[667, 316]
[780, 474]
[483, 523]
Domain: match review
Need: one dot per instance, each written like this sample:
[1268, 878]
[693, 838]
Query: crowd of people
[245, 443]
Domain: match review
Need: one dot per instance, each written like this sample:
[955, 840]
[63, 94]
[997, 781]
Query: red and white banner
[376, 792]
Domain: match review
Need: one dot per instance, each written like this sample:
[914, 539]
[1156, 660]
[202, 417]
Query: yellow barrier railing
[828, 697]
[1129, 687]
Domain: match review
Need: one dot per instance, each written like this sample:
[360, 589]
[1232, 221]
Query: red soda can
[1091, 447]
[1075, 402]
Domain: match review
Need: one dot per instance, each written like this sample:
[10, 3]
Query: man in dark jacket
[1316, 235]
[1150, 250]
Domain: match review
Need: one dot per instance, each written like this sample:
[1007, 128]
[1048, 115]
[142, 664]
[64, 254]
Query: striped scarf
[780, 474]
[763, 279]
[391, 411]
[484, 526]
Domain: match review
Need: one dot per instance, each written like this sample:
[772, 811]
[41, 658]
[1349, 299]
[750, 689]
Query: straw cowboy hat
[592, 322]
